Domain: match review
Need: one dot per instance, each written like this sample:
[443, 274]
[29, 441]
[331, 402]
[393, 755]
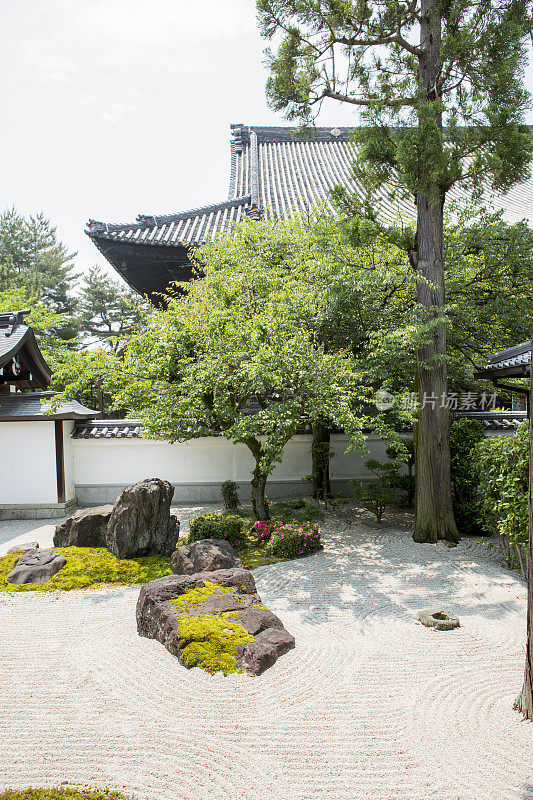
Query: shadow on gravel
[384, 572]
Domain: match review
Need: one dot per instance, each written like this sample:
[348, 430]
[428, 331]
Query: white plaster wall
[102, 467]
[27, 463]
[68, 455]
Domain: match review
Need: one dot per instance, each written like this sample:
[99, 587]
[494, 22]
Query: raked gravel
[370, 704]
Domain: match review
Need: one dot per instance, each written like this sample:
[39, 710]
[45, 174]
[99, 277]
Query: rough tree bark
[524, 702]
[320, 460]
[258, 483]
[433, 510]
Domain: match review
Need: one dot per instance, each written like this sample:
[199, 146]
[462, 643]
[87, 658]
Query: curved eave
[27, 349]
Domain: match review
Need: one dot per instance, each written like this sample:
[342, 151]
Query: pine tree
[34, 261]
[108, 312]
[439, 87]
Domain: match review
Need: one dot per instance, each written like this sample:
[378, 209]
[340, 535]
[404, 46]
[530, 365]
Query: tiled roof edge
[95, 228]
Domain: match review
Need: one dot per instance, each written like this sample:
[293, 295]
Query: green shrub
[299, 510]
[376, 495]
[230, 496]
[218, 526]
[291, 541]
[465, 436]
[403, 452]
[503, 464]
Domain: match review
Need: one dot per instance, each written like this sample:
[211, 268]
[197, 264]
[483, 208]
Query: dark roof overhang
[515, 362]
[32, 407]
[20, 355]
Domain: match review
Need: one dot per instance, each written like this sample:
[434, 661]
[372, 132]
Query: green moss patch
[88, 566]
[59, 793]
[198, 595]
[210, 641]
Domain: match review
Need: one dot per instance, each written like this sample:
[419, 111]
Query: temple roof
[511, 363]
[21, 362]
[276, 173]
[32, 406]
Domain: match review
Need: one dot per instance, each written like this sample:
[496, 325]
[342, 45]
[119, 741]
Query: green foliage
[374, 56]
[59, 793]
[230, 496]
[301, 510]
[88, 566]
[33, 261]
[376, 495]
[294, 541]
[108, 312]
[503, 464]
[403, 452]
[465, 436]
[217, 526]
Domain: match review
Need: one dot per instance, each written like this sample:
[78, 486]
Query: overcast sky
[113, 108]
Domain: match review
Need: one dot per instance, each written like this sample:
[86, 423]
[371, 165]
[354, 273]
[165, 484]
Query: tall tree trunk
[320, 447]
[433, 510]
[259, 503]
[524, 701]
[258, 483]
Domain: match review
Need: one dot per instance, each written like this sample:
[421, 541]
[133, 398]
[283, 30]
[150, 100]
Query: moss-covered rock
[213, 620]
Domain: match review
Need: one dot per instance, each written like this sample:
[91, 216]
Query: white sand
[370, 705]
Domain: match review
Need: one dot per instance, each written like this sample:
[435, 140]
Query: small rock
[23, 548]
[435, 618]
[85, 528]
[206, 555]
[452, 544]
[36, 566]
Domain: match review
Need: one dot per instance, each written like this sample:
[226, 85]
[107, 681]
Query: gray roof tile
[26, 406]
[279, 174]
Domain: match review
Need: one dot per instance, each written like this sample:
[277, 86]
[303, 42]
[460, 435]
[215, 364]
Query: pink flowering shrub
[291, 540]
[262, 531]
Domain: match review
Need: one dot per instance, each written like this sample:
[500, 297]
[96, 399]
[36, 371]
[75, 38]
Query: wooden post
[524, 701]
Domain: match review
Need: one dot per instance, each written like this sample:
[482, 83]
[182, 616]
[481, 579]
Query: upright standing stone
[140, 523]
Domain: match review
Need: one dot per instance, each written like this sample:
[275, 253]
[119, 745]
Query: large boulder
[36, 566]
[213, 620]
[206, 555]
[85, 528]
[140, 523]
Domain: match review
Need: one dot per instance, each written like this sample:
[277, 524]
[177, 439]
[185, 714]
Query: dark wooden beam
[60, 461]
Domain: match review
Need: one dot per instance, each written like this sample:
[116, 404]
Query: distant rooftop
[276, 173]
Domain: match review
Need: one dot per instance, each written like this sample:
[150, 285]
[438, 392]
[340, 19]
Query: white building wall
[28, 463]
[68, 455]
[103, 467]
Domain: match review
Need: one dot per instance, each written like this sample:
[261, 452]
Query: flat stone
[85, 528]
[206, 555]
[158, 618]
[36, 566]
[440, 620]
[23, 548]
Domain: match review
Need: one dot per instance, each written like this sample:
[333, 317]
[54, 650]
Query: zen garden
[266, 508]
